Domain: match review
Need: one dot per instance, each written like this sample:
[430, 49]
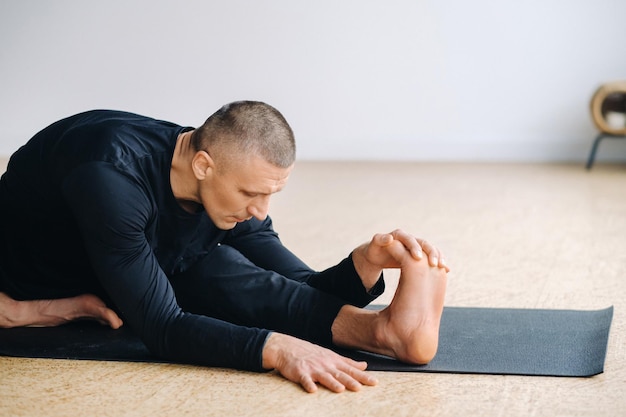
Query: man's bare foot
[408, 329]
[49, 313]
[409, 326]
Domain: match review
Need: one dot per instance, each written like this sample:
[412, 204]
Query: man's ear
[202, 165]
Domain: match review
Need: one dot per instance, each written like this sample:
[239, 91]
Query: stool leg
[594, 149]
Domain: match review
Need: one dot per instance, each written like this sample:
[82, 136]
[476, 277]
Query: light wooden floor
[516, 235]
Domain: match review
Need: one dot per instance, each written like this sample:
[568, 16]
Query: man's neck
[182, 180]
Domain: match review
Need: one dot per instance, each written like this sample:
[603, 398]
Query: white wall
[397, 79]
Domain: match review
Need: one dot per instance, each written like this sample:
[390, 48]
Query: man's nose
[260, 207]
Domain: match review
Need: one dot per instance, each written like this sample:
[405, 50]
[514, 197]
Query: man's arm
[112, 214]
[357, 279]
[260, 244]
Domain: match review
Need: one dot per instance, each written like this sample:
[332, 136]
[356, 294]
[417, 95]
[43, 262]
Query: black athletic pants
[227, 286]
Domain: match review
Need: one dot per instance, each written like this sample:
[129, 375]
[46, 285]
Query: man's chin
[223, 222]
[226, 225]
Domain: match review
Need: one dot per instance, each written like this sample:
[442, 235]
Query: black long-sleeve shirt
[87, 205]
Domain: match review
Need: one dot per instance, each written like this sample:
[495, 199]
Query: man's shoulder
[116, 120]
[115, 136]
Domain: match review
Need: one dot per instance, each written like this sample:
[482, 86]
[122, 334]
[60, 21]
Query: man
[168, 225]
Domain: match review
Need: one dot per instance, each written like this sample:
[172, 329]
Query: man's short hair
[247, 128]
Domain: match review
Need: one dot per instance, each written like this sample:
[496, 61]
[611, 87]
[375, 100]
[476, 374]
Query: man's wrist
[369, 273]
[269, 355]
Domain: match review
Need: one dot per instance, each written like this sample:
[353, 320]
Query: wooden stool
[609, 98]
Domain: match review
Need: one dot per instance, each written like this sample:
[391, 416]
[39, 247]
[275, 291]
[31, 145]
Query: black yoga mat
[472, 340]
[513, 342]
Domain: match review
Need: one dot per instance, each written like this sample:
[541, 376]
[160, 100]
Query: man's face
[240, 191]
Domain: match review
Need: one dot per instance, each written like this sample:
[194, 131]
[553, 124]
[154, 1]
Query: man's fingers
[308, 384]
[412, 244]
[348, 381]
[359, 374]
[443, 264]
[430, 250]
[383, 239]
[417, 248]
[331, 381]
[397, 251]
[361, 366]
[435, 257]
[417, 253]
[351, 383]
[339, 381]
[351, 376]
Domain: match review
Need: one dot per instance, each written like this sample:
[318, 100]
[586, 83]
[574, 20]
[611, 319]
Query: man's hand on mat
[381, 252]
[308, 364]
[49, 313]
